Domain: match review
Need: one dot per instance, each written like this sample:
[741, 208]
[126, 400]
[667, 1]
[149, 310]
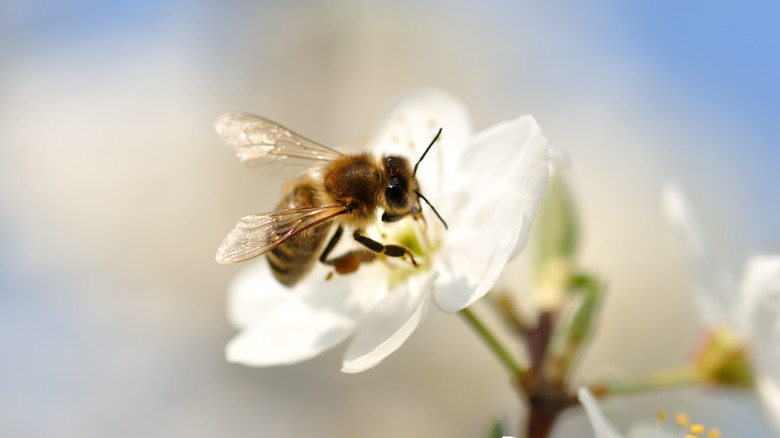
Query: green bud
[573, 327]
[555, 240]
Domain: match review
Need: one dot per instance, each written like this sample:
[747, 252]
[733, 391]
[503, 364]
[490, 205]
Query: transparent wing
[257, 234]
[259, 141]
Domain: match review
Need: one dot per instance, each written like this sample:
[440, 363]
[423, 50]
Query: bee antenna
[423, 156]
[420, 196]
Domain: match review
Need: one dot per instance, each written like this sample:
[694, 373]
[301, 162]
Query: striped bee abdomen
[291, 260]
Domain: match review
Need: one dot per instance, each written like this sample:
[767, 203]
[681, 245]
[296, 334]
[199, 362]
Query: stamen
[696, 429]
[681, 419]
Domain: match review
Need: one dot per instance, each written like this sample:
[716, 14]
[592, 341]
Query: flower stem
[493, 343]
[664, 379]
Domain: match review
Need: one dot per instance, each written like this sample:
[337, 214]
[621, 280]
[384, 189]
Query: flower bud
[556, 240]
[722, 356]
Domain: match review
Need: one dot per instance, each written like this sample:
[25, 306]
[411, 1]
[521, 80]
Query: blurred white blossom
[747, 312]
[678, 427]
[487, 186]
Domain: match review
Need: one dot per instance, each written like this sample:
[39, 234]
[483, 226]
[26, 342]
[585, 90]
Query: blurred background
[115, 193]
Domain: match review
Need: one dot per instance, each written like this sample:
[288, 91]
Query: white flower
[716, 291]
[751, 308]
[487, 187]
[603, 428]
[760, 318]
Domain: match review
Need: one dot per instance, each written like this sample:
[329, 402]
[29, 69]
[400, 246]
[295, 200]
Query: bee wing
[257, 234]
[259, 141]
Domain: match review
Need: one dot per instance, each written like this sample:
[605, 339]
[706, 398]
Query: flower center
[423, 239]
[689, 429]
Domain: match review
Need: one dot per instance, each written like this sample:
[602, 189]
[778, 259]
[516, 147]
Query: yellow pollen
[681, 419]
[691, 436]
[661, 415]
[713, 433]
[411, 144]
[696, 429]
[394, 138]
[431, 123]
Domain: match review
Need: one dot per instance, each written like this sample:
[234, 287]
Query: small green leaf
[497, 431]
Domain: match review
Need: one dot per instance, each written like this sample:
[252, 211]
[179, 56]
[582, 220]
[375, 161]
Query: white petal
[760, 301]
[497, 188]
[391, 323]
[649, 431]
[411, 123]
[716, 288]
[601, 426]
[289, 336]
[761, 316]
[287, 325]
[252, 292]
[769, 390]
[255, 292]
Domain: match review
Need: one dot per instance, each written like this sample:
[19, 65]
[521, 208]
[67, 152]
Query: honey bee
[334, 188]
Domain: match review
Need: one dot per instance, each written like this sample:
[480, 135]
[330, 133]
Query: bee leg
[348, 262]
[332, 244]
[388, 250]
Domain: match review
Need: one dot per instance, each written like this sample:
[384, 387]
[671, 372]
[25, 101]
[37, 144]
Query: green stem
[664, 379]
[492, 341]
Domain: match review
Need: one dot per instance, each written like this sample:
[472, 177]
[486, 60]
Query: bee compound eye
[386, 217]
[396, 198]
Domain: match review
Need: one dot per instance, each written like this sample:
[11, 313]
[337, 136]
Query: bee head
[401, 185]
[400, 188]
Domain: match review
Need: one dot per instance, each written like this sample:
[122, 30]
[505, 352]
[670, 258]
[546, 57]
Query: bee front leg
[332, 244]
[388, 250]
